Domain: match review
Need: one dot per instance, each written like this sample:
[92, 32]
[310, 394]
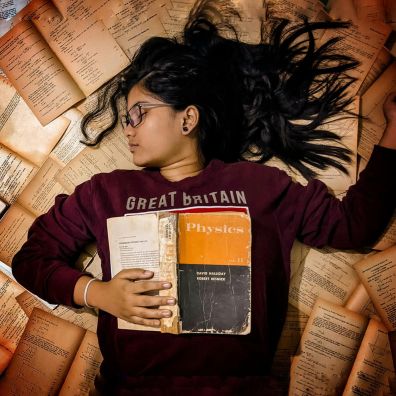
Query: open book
[206, 257]
[344, 349]
[53, 357]
[55, 60]
[60, 51]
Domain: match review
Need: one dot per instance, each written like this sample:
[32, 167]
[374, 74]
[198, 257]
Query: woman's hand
[124, 296]
[389, 137]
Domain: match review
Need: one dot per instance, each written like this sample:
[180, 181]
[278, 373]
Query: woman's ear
[190, 119]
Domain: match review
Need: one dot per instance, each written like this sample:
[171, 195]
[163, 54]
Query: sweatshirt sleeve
[45, 263]
[319, 219]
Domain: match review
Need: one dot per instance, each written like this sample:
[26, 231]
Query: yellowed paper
[43, 356]
[378, 274]
[84, 368]
[83, 317]
[12, 318]
[95, 267]
[295, 9]
[373, 365]
[131, 21]
[20, 130]
[174, 16]
[372, 101]
[358, 11]
[390, 13]
[363, 42]
[15, 174]
[360, 302]
[39, 196]
[69, 145]
[113, 153]
[382, 61]
[297, 256]
[371, 10]
[37, 73]
[327, 350]
[28, 302]
[14, 226]
[83, 46]
[325, 273]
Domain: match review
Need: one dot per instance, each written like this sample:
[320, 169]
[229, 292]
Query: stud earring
[185, 129]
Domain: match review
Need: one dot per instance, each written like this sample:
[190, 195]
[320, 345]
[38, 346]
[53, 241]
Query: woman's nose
[129, 131]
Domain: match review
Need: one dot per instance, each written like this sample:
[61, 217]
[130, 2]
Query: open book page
[327, 350]
[373, 99]
[295, 9]
[85, 318]
[43, 357]
[362, 41]
[134, 243]
[27, 301]
[20, 130]
[174, 15]
[83, 45]
[84, 368]
[325, 273]
[382, 61]
[94, 267]
[130, 22]
[69, 145]
[15, 174]
[388, 237]
[378, 274]
[39, 195]
[36, 73]
[14, 226]
[112, 153]
[293, 328]
[360, 302]
[373, 365]
[369, 10]
[12, 318]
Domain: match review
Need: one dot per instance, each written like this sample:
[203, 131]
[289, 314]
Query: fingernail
[171, 301]
[166, 285]
[147, 273]
[167, 314]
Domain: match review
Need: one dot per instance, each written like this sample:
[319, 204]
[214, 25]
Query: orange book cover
[214, 251]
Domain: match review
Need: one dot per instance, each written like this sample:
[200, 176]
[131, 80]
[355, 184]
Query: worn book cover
[206, 256]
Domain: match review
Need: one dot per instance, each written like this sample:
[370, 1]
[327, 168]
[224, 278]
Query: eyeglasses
[134, 115]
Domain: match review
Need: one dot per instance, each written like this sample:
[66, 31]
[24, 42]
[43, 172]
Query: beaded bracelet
[86, 291]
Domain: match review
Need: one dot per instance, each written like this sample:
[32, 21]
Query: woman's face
[158, 140]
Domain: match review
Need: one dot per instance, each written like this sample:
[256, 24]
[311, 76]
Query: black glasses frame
[128, 118]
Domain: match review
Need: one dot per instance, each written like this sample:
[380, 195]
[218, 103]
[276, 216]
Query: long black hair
[255, 100]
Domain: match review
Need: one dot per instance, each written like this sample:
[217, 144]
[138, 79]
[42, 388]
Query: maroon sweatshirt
[198, 364]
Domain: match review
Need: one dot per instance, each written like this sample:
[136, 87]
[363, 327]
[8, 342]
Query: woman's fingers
[147, 286]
